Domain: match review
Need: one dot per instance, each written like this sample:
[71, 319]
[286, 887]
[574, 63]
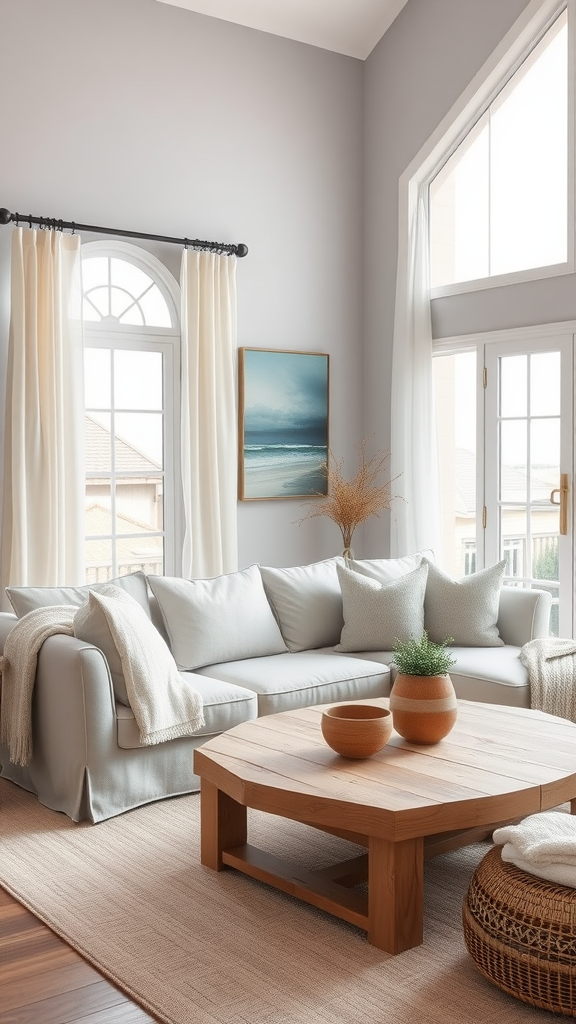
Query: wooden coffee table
[405, 803]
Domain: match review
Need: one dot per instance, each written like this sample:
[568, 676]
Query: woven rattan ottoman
[521, 933]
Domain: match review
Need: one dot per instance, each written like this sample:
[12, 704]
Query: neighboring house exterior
[138, 507]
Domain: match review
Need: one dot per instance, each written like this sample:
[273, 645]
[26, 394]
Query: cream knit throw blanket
[18, 668]
[551, 664]
[165, 706]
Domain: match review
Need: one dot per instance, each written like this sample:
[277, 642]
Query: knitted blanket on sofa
[164, 705]
[551, 665]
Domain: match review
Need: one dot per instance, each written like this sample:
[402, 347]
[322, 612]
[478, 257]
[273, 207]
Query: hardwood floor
[45, 981]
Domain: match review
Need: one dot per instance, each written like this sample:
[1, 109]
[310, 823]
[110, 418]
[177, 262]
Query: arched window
[131, 354]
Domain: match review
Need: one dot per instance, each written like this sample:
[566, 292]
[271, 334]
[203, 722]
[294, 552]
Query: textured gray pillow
[307, 602]
[25, 599]
[465, 609]
[227, 618]
[387, 569]
[376, 614]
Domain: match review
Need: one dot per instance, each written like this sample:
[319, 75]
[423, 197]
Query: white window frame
[165, 340]
[482, 342]
[482, 90]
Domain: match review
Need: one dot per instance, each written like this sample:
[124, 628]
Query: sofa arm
[523, 615]
[74, 722]
[7, 621]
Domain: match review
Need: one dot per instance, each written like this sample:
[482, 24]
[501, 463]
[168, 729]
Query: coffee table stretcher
[392, 912]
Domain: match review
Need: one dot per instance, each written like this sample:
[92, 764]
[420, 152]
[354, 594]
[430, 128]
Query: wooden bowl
[356, 730]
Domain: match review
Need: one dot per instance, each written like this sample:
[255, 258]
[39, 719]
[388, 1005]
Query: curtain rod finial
[241, 248]
[5, 216]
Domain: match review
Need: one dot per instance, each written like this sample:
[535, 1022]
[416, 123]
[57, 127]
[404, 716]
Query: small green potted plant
[422, 701]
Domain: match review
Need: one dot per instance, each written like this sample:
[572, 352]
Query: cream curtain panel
[43, 472]
[208, 414]
[415, 524]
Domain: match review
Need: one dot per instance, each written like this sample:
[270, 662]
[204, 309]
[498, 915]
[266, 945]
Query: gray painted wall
[146, 116]
[136, 114]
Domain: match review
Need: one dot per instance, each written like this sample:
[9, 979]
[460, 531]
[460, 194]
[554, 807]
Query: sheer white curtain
[208, 414]
[415, 522]
[43, 476]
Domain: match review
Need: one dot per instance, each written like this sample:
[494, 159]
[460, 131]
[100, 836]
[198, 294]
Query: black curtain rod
[60, 225]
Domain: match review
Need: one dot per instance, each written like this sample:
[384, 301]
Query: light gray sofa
[275, 631]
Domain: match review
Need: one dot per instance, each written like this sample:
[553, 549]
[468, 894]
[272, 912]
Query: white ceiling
[352, 27]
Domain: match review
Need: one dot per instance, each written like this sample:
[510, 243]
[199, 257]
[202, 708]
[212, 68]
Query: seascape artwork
[283, 423]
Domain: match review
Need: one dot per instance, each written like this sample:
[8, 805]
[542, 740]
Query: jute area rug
[194, 946]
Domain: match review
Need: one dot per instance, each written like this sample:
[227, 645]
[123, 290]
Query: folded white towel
[561, 874]
[543, 844]
[548, 837]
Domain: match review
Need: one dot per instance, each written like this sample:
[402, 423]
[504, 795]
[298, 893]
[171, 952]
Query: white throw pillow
[227, 618]
[376, 614]
[307, 601]
[464, 609]
[91, 625]
[25, 599]
[387, 569]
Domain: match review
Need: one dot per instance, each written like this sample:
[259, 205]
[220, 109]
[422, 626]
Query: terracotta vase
[424, 708]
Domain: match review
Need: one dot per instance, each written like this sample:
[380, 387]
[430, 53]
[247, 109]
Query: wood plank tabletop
[498, 762]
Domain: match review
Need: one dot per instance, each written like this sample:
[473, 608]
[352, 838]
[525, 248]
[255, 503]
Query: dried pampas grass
[350, 502]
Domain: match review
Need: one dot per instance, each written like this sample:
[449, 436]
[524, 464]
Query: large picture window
[131, 334]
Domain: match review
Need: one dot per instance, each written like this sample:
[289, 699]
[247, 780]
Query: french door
[527, 468]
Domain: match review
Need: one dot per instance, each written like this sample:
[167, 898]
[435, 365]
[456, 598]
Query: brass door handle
[562, 502]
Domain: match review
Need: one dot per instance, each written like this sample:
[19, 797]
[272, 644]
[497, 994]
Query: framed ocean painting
[283, 423]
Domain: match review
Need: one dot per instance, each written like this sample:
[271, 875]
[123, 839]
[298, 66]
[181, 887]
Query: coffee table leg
[222, 825]
[395, 894]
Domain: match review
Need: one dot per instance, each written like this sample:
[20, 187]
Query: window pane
[156, 312]
[121, 302]
[455, 394]
[97, 443]
[513, 469]
[544, 458]
[99, 567]
[145, 555]
[138, 505]
[94, 271]
[97, 394]
[137, 380]
[139, 442]
[513, 383]
[129, 277]
[98, 515]
[528, 148]
[459, 207]
[545, 384]
[96, 303]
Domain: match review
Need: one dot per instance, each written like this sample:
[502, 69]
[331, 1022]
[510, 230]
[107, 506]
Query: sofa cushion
[493, 675]
[307, 602]
[304, 678]
[91, 624]
[466, 610]
[387, 569]
[221, 619]
[224, 706]
[25, 599]
[377, 614]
